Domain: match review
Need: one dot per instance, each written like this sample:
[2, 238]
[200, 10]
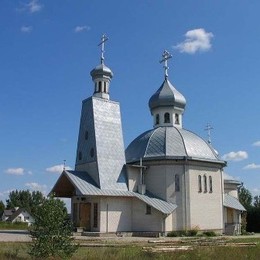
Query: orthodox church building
[167, 179]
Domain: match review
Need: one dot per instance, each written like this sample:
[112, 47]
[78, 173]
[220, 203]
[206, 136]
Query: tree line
[250, 218]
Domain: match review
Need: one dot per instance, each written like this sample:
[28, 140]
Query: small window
[177, 121]
[80, 156]
[99, 86]
[157, 119]
[86, 135]
[199, 183]
[92, 152]
[148, 209]
[210, 184]
[205, 183]
[166, 118]
[177, 182]
[105, 87]
[95, 215]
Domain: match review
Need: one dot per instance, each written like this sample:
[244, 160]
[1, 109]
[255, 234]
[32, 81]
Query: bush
[183, 233]
[52, 231]
[209, 233]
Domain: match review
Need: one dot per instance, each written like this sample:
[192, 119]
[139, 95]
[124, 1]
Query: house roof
[80, 183]
[16, 214]
[232, 202]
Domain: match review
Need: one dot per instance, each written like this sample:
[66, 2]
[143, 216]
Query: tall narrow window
[210, 184]
[157, 119]
[177, 121]
[166, 118]
[105, 87]
[80, 156]
[99, 86]
[199, 183]
[177, 182]
[95, 215]
[205, 183]
[148, 209]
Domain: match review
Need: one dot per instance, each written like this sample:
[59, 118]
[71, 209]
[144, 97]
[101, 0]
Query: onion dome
[101, 71]
[166, 96]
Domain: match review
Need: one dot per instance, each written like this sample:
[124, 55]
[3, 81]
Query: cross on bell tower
[166, 56]
[102, 44]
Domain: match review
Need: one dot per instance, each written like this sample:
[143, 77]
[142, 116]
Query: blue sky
[48, 48]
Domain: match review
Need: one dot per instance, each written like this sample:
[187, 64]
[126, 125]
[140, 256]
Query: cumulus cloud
[252, 166]
[34, 186]
[235, 156]
[227, 176]
[34, 6]
[58, 168]
[257, 143]
[196, 40]
[26, 29]
[15, 171]
[81, 28]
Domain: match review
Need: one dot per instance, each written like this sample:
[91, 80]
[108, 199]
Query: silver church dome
[101, 71]
[170, 143]
[167, 95]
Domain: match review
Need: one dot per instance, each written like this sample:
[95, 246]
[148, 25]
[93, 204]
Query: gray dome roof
[170, 143]
[101, 71]
[167, 95]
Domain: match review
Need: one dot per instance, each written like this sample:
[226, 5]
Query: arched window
[199, 183]
[210, 184]
[177, 121]
[177, 182]
[166, 118]
[205, 183]
[157, 119]
[86, 135]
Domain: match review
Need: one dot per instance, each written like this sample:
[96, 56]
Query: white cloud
[26, 29]
[81, 28]
[58, 168]
[15, 171]
[252, 166]
[36, 186]
[227, 176]
[257, 143]
[235, 156]
[196, 40]
[32, 6]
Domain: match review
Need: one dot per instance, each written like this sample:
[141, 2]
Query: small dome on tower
[167, 95]
[101, 71]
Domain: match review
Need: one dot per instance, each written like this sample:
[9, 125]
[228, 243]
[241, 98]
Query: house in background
[167, 179]
[17, 215]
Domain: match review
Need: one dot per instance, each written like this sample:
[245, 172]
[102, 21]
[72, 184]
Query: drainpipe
[107, 219]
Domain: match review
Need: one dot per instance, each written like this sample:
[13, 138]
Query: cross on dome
[102, 44]
[208, 128]
[166, 56]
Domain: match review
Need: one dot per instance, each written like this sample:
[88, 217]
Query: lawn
[106, 250]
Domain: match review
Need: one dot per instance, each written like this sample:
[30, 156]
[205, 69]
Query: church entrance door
[84, 215]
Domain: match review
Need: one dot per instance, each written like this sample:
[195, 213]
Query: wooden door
[230, 216]
[84, 215]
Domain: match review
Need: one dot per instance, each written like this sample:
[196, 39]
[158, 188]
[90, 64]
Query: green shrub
[209, 233]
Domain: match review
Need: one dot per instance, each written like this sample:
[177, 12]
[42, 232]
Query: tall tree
[257, 202]
[245, 197]
[24, 199]
[52, 231]
[2, 207]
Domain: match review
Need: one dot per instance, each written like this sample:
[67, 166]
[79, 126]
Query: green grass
[18, 251]
[13, 226]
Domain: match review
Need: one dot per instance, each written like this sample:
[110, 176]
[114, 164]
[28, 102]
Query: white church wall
[146, 222]
[133, 178]
[210, 203]
[115, 214]
[231, 189]
[155, 177]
